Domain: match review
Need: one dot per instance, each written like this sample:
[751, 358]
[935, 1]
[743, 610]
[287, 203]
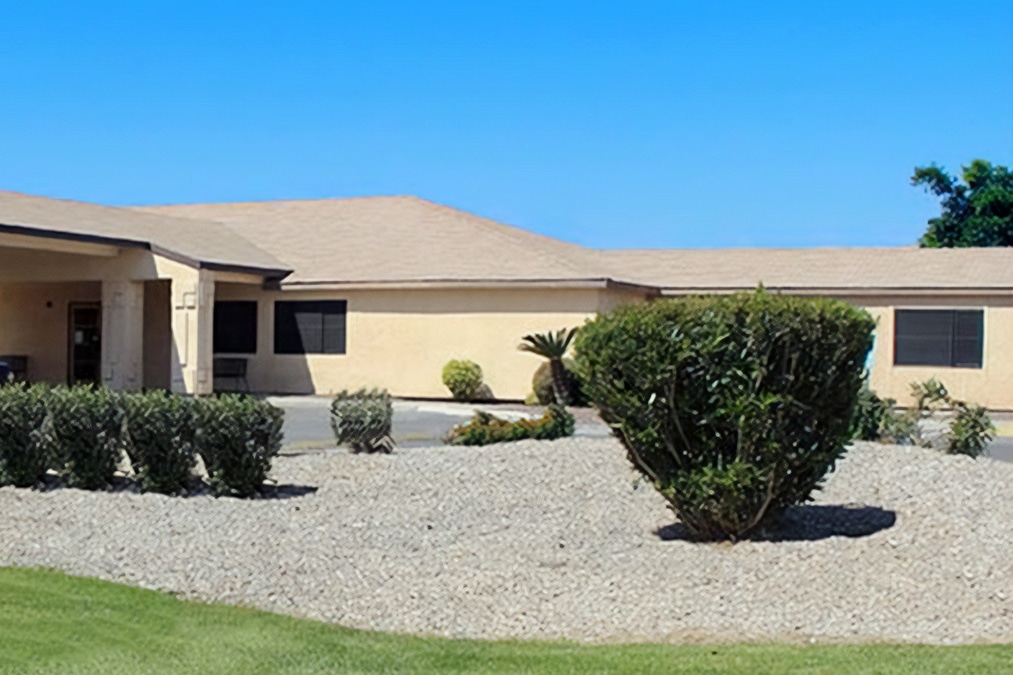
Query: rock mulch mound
[557, 540]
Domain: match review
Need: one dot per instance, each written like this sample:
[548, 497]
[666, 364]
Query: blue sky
[620, 124]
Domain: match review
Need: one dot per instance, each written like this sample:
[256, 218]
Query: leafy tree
[975, 212]
[553, 346]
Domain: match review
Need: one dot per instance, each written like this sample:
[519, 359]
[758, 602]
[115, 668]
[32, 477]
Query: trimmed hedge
[81, 433]
[485, 428]
[85, 434]
[734, 407]
[23, 457]
[161, 440]
[362, 420]
[237, 437]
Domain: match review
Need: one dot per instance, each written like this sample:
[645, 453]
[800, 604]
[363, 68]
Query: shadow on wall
[809, 522]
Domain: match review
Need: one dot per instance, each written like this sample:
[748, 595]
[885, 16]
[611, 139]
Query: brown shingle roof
[842, 269]
[394, 239]
[209, 244]
[406, 239]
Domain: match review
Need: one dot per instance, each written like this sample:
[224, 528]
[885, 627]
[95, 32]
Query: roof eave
[843, 290]
[449, 284]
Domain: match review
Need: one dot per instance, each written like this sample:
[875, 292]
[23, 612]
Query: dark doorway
[84, 360]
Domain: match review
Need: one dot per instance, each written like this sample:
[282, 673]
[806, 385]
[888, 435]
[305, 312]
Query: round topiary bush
[734, 407]
[463, 379]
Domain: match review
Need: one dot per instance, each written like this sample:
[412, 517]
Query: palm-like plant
[553, 346]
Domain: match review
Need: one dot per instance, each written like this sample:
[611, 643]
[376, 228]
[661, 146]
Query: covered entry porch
[76, 311]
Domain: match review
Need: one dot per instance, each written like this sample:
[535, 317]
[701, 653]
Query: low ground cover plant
[734, 407]
[485, 428]
[363, 420]
[83, 434]
[237, 437]
[464, 379]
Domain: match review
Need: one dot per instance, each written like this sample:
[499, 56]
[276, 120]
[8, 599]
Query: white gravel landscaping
[557, 540]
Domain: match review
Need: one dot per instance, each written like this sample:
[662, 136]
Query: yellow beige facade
[401, 339]
[459, 287]
[991, 385]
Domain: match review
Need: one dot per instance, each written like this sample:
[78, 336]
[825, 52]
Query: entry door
[85, 349]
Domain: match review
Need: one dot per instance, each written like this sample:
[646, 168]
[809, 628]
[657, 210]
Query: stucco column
[193, 302]
[123, 334]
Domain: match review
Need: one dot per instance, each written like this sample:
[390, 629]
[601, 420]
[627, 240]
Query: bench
[16, 366]
[230, 368]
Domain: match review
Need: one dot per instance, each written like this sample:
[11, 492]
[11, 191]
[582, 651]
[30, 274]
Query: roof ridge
[513, 232]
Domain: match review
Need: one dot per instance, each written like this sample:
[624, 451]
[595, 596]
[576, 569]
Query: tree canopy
[976, 211]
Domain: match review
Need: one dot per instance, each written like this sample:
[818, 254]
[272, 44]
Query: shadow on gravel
[809, 522]
[197, 489]
[285, 491]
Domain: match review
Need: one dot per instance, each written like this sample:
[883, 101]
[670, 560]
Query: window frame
[954, 337]
[327, 344]
[253, 334]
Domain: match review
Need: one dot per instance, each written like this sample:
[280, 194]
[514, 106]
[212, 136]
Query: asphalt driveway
[416, 423]
[424, 423]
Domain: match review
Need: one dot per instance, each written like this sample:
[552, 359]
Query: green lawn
[53, 623]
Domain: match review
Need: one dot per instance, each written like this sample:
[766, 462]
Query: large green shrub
[463, 379]
[485, 428]
[23, 457]
[161, 430]
[84, 434]
[362, 420]
[237, 437]
[735, 407]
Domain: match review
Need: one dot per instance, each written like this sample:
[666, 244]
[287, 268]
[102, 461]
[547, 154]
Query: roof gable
[199, 243]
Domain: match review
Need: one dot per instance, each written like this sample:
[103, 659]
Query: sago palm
[553, 346]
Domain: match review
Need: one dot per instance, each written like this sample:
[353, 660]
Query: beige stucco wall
[33, 322]
[401, 339]
[156, 312]
[991, 385]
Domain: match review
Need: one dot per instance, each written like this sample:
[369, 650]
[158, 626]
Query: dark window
[235, 327]
[310, 327]
[938, 337]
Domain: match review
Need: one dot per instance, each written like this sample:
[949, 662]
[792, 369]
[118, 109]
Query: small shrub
[543, 386]
[23, 457]
[363, 420]
[553, 346]
[237, 437]
[971, 430]
[463, 379]
[84, 434]
[929, 397]
[485, 428]
[968, 432]
[161, 430]
[871, 414]
[734, 407]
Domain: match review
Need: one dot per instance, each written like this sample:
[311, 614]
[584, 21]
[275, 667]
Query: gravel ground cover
[557, 540]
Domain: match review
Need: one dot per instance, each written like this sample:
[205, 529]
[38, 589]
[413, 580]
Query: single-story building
[321, 295]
